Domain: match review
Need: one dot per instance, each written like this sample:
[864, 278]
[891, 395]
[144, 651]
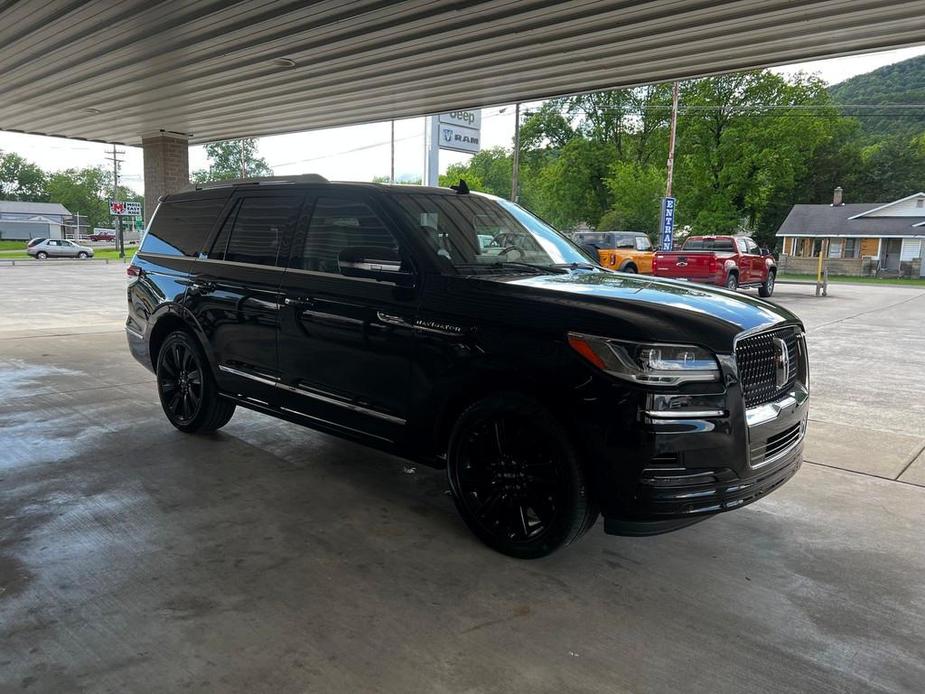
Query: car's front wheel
[516, 477]
[83, 255]
[41, 255]
[186, 388]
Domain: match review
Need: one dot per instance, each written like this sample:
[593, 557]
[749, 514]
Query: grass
[838, 279]
[12, 245]
[98, 254]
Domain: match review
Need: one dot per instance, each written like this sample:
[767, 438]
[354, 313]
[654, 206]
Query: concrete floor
[271, 558]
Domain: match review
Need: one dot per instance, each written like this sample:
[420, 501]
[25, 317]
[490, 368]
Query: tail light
[133, 271]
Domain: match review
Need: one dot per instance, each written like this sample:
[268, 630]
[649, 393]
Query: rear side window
[709, 245]
[257, 229]
[181, 227]
[338, 224]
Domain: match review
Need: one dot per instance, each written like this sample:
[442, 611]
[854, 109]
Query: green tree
[85, 191]
[232, 159]
[488, 171]
[21, 179]
[637, 192]
[401, 179]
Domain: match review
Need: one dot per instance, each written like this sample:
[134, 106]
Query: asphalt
[268, 557]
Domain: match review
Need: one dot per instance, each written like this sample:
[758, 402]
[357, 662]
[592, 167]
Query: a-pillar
[166, 157]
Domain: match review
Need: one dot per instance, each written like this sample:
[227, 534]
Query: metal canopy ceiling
[114, 71]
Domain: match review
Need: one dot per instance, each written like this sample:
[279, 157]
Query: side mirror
[765, 251]
[375, 263]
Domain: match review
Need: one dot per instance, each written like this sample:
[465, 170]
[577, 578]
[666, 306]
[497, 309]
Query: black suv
[458, 330]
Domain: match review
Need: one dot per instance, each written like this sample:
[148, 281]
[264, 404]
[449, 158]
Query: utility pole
[671, 140]
[515, 173]
[115, 195]
[243, 163]
[432, 151]
[392, 164]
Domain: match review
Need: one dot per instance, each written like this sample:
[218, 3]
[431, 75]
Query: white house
[21, 221]
[865, 237]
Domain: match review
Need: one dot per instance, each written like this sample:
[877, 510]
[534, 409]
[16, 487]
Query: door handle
[391, 319]
[298, 302]
[203, 286]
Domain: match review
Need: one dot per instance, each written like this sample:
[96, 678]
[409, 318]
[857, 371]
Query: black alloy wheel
[516, 478]
[630, 269]
[186, 389]
[732, 282]
[767, 289]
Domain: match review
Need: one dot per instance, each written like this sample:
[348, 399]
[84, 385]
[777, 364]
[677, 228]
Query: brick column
[166, 158]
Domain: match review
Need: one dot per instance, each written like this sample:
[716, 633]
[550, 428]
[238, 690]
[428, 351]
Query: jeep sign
[464, 119]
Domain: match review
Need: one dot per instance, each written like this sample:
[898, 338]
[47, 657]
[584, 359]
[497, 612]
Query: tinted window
[643, 243]
[751, 247]
[338, 223]
[596, 238]
[257, 229]
[709, 245]
[181, 227]
[455, 227]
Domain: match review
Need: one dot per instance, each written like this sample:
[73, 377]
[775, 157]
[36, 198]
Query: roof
[221, 70]
[38, 208]
[827, 220]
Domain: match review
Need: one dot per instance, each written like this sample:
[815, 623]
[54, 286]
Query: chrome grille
[776, 446]
[755, 358]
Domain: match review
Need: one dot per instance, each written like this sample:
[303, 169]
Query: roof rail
[299, 178]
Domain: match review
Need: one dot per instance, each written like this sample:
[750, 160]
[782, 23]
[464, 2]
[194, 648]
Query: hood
[649, 308]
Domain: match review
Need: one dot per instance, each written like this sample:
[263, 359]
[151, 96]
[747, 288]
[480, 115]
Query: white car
[57, 248]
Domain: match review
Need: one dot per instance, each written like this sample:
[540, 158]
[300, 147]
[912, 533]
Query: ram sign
[460, 131]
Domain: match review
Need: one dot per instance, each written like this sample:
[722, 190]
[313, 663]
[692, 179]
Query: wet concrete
[271, 558]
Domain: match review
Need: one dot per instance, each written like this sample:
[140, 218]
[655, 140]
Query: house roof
[826, 220]
[37, 208]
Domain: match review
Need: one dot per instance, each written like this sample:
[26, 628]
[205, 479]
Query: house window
[920, 202]
[835, 248]
[851, 248]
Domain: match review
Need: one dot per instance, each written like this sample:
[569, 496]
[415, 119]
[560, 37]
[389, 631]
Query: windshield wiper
[578, 266]
[512, 265]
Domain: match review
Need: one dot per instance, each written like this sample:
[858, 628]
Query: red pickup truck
[727, 261]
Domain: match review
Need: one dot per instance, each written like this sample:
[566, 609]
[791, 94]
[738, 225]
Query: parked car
[626, 251]
[550, 388]
[58, 248]
[102, 235]
[726, 261]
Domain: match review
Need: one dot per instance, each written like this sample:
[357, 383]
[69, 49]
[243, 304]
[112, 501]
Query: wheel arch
[175, 317]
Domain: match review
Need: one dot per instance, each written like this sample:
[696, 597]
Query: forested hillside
[892, 89]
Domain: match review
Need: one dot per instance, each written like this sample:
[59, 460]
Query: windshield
[471, 230]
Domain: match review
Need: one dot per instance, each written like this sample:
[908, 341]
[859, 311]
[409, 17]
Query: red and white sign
[125, 209]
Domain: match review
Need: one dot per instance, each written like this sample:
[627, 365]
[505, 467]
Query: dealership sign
[460, 131]
[666, 228]
[122, 208]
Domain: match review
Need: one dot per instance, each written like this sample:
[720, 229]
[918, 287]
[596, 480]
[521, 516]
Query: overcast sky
[361, 152]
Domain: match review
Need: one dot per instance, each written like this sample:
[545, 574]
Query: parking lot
[268, 557]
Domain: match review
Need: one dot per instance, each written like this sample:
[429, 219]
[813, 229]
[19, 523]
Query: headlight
[647, 364]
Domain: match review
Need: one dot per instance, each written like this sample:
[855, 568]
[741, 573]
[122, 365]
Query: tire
[495, 444]
[732, 282]
[630, 269]
[41, 255]
[186, 388]
[767, 289]
[82, 255]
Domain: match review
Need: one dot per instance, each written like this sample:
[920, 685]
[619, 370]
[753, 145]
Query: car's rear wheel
[83, 255]
[187, 391]
[767, 289]
[516, 477]
[41, 255]
[732, 282]
[630, 269]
